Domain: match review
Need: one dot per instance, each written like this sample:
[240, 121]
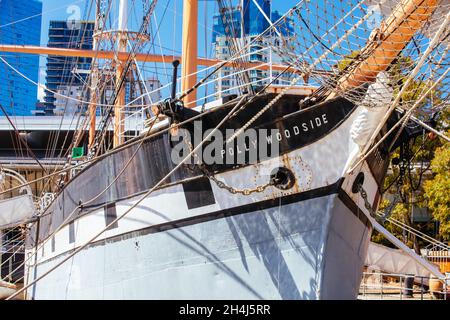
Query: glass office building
[254, 20]
[248, 17]
[63, 71]
[17, 95]
[244, 23]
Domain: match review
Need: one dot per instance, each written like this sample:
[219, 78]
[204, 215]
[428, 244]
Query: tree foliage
[437, 190]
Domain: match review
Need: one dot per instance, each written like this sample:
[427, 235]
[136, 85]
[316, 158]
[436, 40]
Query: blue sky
[170, 18]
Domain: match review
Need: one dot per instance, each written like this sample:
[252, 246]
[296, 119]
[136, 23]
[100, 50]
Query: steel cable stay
[233, 112]
[145, 195]
[238, 107]
[80, 206]
[93, 63]
[363, 19]
[66, 61]
[408, 113]
[418, 233]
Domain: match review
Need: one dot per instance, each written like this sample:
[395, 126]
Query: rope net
[367, 50]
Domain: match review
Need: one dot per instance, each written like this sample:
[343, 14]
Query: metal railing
[390, 286]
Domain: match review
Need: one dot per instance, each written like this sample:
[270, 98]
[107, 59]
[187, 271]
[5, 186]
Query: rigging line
[267, 18]
[416, 233]
[174, 25]
[85, 120]
[295, 80]
[430, 239]
[10, 230]
[399, 175]
[42, 86]
[159, 41]
[232, 113]
[70, 61]
[13, 252]
[93, 63]
[234, 56]
[342, 20]
[158, 26]
[65, 107]
[105, 120]
[24, 143]
[124, 146]
[430, 48]
[66, 102]
[11, 245]
[153, 44]
[135, 204]
[205, 39]
[192, 119]
[80, 206]
[317, 38]
[406, 117]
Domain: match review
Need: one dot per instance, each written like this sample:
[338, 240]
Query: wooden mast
[120, 64]
[189, 50]
[406, 19]
[94, 80]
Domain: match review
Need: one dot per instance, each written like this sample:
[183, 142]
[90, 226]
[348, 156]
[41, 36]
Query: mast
[120, 89]
[189, 50]
[94, 79]
[406, 19]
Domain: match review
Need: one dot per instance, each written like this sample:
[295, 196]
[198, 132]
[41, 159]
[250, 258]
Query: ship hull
[193, 239]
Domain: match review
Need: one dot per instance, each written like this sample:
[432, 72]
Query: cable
[134, 205]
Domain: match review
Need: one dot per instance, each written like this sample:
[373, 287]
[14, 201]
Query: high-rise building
[242, 24]
[65, 72]
[18, 95]
[255, 21]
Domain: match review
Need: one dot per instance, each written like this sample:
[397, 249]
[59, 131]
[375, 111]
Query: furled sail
[15, 211]
[16, 206]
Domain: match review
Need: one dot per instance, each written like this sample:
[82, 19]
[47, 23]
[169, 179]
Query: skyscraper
[17, 95]
[64, 71]
[255, 21]
[243, 24]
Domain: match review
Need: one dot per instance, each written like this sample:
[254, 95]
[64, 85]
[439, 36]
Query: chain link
[367, 204]
[223, 185]
[232, 190]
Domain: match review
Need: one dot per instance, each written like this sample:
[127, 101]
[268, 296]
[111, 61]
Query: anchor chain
[232, 190]
[367, 204]
[221, 184]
